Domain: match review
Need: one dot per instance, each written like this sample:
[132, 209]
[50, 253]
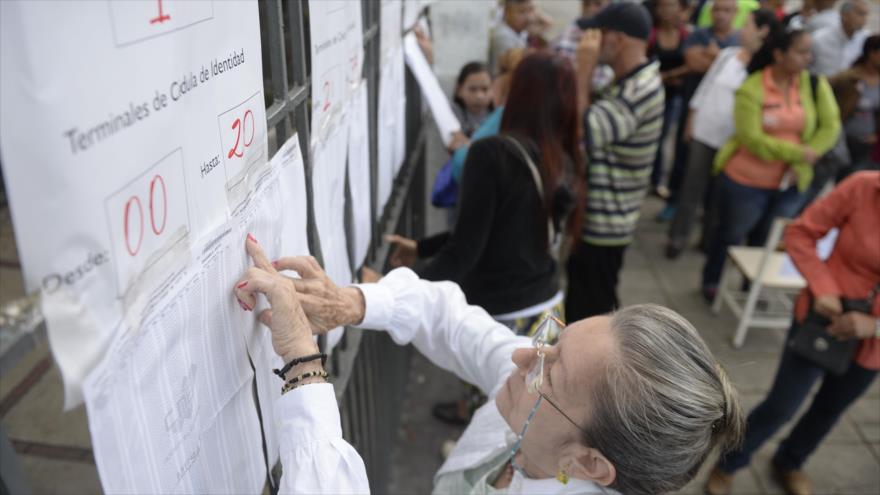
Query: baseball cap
[631, 19]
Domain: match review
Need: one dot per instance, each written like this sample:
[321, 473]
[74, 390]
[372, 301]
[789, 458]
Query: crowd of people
[759, 112]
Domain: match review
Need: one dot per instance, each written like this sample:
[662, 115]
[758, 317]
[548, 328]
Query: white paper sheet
[179, 384]
[359, 174]
[116, 169]
[392, 102]
[823, 250]
[446, 120]
[337, 60]
[328, 193]
[411, 11]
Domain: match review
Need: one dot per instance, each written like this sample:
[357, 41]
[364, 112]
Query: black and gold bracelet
[300, 360]
[292, 383]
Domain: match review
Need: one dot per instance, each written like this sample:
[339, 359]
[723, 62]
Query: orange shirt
[781, 120]
[853, 268]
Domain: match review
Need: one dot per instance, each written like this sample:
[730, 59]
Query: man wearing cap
[621, 130]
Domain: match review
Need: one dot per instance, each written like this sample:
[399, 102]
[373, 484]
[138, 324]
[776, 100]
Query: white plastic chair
[762, 267]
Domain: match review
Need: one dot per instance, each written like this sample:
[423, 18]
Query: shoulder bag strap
[536, 175]
[553, 237]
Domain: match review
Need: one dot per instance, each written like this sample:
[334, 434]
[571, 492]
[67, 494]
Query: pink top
[781, 120]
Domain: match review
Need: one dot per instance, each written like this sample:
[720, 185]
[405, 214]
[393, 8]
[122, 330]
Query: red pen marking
[326, 95]
[158, 230]
[136, 201]
[162, 17]
[253, 127]
[234, 151]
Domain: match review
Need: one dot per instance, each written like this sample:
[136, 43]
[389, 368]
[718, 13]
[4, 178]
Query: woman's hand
[405, 251]
[370, 276]
[828, 306]
[810, 156]
[326, 305]
[291, 335]
[853, 325]
[458, 140]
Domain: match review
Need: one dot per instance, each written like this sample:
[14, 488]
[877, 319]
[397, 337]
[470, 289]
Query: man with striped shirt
[621, 133]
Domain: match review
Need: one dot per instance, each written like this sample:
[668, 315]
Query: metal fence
[368, 370]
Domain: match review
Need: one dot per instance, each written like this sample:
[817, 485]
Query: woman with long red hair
[520, 192]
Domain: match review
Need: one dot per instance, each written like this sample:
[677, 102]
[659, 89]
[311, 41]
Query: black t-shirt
[498, 250]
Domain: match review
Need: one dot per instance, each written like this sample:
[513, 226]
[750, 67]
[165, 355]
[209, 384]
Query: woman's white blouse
[463, 339]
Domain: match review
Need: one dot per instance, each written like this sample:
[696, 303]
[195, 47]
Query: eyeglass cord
[519, 439]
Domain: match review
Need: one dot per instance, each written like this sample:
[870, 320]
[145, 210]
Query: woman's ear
[589, 464]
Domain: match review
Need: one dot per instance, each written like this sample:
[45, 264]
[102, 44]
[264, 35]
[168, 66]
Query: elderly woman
[632, 402]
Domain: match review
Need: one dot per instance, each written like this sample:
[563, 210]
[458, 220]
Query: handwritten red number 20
[239, 125]
[134, 211]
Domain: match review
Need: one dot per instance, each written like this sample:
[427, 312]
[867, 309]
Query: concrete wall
[460, 29]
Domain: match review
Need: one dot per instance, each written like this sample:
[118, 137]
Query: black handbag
[811, 341]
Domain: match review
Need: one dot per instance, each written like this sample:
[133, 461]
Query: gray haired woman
[632, 402]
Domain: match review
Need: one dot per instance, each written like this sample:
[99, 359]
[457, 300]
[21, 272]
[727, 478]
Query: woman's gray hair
[664, 405]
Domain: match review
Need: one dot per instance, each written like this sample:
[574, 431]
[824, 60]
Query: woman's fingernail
[252, 239]
[242, 285]
[275, 264]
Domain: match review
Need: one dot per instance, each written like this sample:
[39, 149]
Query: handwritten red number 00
[239, 125]
[134, 203]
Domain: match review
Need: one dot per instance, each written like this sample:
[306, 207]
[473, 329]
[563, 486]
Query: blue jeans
[793, 382]
[671, 114]
[745, 213]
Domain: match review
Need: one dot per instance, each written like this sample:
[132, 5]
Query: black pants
[794, 380]
[592, 281]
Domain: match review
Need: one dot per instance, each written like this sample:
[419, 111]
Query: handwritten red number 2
[239, 125]
[162, 17]
[134, 203]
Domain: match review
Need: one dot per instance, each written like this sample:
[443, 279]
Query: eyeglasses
[549, 328]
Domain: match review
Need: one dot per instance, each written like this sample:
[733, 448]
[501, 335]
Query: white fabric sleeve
[711, 75]
[437, 320]
[314, 456]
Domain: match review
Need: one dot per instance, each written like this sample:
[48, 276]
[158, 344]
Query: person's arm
[802, 235]
[698, 59]
[314, 456]
[827, 119]
[429, 246]
[433, 316]
[436, 318]
[587, 59]
[477, 198]
[490, 127]
[748, 121]
[676, 72]
[608, 121]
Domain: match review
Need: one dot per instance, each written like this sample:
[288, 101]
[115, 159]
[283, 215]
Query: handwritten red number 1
[162, 17]
[136, 202]
[238, 125]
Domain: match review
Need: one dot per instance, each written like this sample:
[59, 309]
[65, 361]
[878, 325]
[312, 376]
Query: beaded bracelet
[300, 360]
[292, 383]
